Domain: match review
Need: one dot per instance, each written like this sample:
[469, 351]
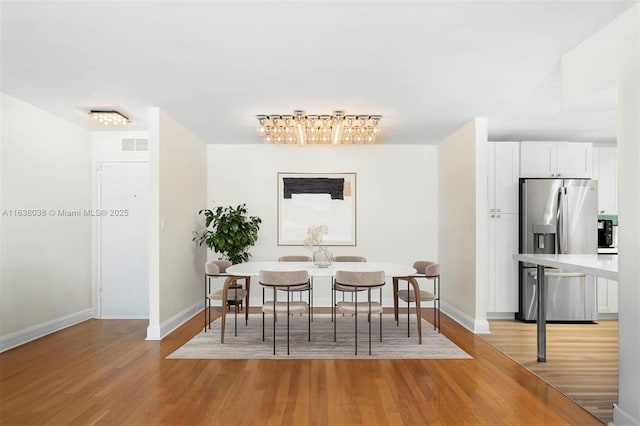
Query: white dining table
[390, 269]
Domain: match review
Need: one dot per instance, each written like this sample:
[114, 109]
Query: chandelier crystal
[335, 129]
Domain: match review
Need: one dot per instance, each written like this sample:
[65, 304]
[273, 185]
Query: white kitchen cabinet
[607, 296]
[504, 170]
[502, 283]
[605, 171]
[541, 159]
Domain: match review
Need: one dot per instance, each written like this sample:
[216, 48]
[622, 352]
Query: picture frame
[313, 199]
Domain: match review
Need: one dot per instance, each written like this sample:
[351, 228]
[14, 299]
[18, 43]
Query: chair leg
[288, 300]
[408, 309]
[274, 320]
[416, 295]
[369, 294]
[333, 303]
[309, 317]
[247, 283]
[356, 317]
[206, 299]
[333, 314]
[395, 300]
[311, 300]
[235, 310]
[381, 315]
[223, 325]
[438, 300]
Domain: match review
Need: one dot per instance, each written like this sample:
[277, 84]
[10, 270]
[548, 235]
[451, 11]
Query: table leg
[416, 295]
[542, 316]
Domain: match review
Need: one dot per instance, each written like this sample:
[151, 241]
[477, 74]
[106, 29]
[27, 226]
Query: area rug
[249, 345]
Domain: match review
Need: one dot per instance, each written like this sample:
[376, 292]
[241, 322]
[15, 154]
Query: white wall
[462, 229]
[46, 260]
[395, 200]
[178, 181]
[611, 58]
[627, 410]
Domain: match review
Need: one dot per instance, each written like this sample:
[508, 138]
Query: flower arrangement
[314, 236]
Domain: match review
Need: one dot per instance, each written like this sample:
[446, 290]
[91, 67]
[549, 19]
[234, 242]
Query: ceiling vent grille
[135, 145]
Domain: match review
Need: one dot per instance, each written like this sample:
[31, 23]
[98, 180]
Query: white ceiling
[428, 67]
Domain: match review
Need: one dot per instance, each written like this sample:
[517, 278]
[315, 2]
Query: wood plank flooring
[105, 373]
[582, 359]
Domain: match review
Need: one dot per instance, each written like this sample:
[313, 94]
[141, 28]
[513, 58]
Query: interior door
[123, 222]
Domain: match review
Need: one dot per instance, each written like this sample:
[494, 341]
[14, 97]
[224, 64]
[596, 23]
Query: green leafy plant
[230, 232]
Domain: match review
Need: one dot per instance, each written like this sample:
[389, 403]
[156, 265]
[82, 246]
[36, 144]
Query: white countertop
[601, 265]
[607, 250]
[390, 269]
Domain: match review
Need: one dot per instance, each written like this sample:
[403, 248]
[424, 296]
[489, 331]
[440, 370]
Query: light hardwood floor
[104, 372]
[582, 359]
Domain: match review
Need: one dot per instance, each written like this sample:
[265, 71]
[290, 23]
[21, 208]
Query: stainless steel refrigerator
[558, 216]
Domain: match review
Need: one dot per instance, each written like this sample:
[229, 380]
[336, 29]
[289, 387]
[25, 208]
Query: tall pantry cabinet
[503, 173]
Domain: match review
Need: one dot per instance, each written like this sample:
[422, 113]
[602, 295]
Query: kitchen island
[605, 266]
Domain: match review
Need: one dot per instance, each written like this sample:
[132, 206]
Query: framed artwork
[312, 199]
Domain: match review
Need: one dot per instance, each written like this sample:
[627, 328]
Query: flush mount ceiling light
[303, 129]
[109, 118]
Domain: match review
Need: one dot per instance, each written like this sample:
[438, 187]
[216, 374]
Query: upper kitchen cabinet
[605, 171]
[540, 159]
[504, 169]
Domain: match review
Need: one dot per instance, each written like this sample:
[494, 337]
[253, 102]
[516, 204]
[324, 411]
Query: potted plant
[229, 231]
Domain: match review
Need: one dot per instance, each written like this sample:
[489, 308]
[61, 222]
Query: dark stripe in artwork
[331, 186]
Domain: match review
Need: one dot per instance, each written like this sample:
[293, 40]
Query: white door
[124, 206]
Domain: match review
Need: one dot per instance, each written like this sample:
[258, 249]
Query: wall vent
[128, 144]
[142, 144]
[135, 145]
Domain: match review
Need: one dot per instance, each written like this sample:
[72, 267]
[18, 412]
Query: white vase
[322, 257]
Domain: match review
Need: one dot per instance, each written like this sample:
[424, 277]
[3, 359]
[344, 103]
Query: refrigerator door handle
[565, 220]
[560, 222]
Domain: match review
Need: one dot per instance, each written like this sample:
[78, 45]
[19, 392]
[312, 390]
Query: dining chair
[360, 282]
[349, 259]
[231, 294]
[302, 288]
[283, 280]
[430, 271]
[335, 288]
[295, 258]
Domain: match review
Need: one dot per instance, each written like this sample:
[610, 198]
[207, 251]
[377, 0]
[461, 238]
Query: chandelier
[334, 129]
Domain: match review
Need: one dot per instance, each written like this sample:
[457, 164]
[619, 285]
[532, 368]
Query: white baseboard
[471, 324]
[124, 317]
[501, 315]
[622, 418]
[27, 335]
[159, 333]
[607, 316]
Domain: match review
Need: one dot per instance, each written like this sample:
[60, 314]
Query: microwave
[605, 233]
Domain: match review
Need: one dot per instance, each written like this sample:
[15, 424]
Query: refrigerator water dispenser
[544, 239]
